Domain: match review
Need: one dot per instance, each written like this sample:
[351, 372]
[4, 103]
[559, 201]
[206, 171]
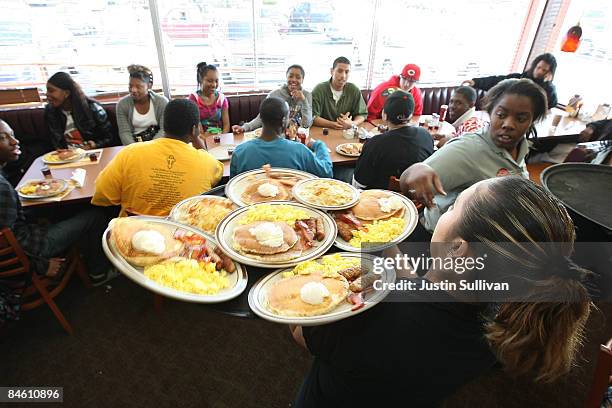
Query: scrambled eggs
[188, 275]
[379, 231]
[28, 189]
[327, 266]
[267, 212]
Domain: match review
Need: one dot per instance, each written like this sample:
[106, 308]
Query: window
[92, 40]
[451, 40]
[587, 71]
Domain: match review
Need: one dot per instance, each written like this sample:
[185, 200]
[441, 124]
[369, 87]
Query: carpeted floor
[124, 354]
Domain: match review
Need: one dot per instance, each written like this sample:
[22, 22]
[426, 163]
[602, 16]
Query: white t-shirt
[337, 94]
[142, 122]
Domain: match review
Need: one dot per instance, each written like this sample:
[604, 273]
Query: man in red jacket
[406, 81]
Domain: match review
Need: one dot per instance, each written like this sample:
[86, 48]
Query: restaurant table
[83, 194]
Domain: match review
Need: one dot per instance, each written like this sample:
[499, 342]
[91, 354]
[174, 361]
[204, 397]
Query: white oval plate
[258, 298]
[297, 189]
[35, 196]
[220, 152]
[225, 231]
[238, 279]
[237, 185]
[411, 215]
[79, 156]
[177, 213]
[339, 150]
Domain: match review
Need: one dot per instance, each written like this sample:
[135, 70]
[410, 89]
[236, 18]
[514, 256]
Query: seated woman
[514, 105]
[140, 115]
[273, 149]
[419, 346]
[211, 102]
[541, 71]
[394, 151]
[299, 100]
[73, 119]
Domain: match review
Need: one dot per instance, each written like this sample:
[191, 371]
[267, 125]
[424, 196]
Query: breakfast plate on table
[349, 149]
[265, 184]
[203, 212]
[172, 259]
[42, 188]
[326, 194]
[324, 290]
[221, 152]
[379, 220]
[63, 156]
[275, 234]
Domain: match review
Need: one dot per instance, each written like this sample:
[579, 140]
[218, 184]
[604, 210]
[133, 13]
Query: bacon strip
[305, 232]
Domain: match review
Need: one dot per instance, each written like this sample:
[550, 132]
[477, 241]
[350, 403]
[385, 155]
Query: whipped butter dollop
[268, 234]
[314, 293]
[390, 204]
[268, 190]
[149, 241]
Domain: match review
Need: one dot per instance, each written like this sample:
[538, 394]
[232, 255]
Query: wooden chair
[14, 263]
[601, 380]
[394, 185]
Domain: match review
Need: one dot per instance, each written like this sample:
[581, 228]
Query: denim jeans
[85, 231]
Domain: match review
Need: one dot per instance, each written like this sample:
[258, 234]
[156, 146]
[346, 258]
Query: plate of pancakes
[263, 185]
[203, 212]
[275, 234]
[324, 290]
[326, 194]
[380, 219]
[349, 149]
[173, 260]
[42, 188]
[63, 156]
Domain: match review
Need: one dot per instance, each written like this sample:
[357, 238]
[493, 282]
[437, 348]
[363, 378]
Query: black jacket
[98, 128]
[486, 83]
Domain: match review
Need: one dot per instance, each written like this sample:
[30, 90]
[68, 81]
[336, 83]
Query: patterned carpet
[124, 354]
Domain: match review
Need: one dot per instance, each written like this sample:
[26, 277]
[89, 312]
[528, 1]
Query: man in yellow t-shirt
[151, 177]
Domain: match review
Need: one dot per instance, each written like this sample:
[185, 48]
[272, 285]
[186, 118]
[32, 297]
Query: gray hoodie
[283, 93]
[125, 115]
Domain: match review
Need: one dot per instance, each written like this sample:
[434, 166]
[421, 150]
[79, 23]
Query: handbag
[147, 134]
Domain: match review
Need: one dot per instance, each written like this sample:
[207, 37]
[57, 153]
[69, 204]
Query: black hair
[341, 60]
[80, 101]
[523, 87]
[141, 72]
[468, 93]
[180, 116]
[296, 66]
[273, 111]
[547, 58]
[202, 69]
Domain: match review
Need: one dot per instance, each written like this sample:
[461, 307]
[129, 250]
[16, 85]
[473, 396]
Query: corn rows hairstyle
[141, 72]
[522, 87]
[542, 337]
[201, 70]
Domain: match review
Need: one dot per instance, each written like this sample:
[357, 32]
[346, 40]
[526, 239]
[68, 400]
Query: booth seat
[31, 130]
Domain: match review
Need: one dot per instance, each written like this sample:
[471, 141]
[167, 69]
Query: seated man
[461, 111]
[406, 81]
[394, 151]
[151, 177]
[337, 103]
[271, 148]
[44, 246]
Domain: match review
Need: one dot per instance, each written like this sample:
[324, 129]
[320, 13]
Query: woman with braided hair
[140, 115]
[212, 103]
[419, 346]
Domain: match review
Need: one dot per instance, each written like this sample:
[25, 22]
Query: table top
[83, 194]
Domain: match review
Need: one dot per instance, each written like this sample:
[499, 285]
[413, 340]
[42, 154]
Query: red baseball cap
[411, 71]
